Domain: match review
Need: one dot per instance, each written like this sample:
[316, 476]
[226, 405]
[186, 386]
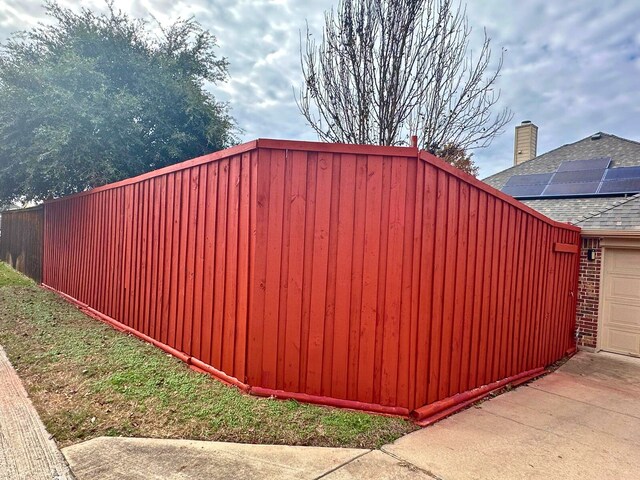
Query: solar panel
[578, 176]
[524, 190]
[592, 164]
[628, 185]
[533, 179]
[583, 188]
[622, 172]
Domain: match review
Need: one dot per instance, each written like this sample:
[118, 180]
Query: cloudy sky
[571, 67]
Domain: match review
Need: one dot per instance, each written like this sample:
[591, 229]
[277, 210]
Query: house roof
[586, 212]
[620, 215]
[571, 209]
[623, 153]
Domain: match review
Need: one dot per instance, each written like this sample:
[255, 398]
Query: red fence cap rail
[299, 145]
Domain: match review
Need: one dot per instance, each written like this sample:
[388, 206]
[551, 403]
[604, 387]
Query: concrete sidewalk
[26, 450]
[581, 422]
[152, 459]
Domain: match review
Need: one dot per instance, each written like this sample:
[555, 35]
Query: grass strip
[87, 380]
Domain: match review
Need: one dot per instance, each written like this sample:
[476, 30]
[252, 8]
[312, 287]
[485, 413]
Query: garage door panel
[624, 261]
[619, 314]
[624, 286]
[620, 341]
[621, 301]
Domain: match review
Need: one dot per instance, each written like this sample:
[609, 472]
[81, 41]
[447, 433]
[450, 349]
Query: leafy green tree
[95, 98]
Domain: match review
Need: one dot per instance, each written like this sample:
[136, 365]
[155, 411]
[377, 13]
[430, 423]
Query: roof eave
[603, 232]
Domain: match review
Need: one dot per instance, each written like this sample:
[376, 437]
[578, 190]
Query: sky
[570, 67]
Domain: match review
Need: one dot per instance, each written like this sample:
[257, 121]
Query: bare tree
[388, 69]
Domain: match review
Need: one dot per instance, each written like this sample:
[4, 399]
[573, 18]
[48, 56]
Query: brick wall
[588, 293]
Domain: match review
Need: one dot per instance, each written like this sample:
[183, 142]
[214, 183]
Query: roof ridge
[615, 204]
[588, 137]
[551, 151]
[635, 142]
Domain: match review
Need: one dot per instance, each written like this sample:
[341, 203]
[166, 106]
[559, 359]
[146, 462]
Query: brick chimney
[526, 142]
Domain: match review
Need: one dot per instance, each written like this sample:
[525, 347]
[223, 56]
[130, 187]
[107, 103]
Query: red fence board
[377, 277]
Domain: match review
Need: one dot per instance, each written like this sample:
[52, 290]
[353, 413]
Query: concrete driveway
[581, 422]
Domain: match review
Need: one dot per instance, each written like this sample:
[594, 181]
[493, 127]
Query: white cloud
[571, 67]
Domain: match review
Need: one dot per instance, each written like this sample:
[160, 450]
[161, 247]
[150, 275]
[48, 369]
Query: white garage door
[621, 301]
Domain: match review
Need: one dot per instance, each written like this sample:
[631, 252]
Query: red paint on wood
[458, 402]
[330, 401]
[346, 275]
[473, 394]
[565, 247]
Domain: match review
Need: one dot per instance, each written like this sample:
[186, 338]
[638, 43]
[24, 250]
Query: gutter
[601, 232]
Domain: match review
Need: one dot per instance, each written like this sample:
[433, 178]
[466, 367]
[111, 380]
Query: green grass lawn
[10, 278]
[88, 380]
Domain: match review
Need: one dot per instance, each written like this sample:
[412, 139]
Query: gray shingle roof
[623, 153]
[622, 215]
[570, 209]
[587, 212]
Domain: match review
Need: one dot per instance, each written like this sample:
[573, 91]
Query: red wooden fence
[370, 277]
